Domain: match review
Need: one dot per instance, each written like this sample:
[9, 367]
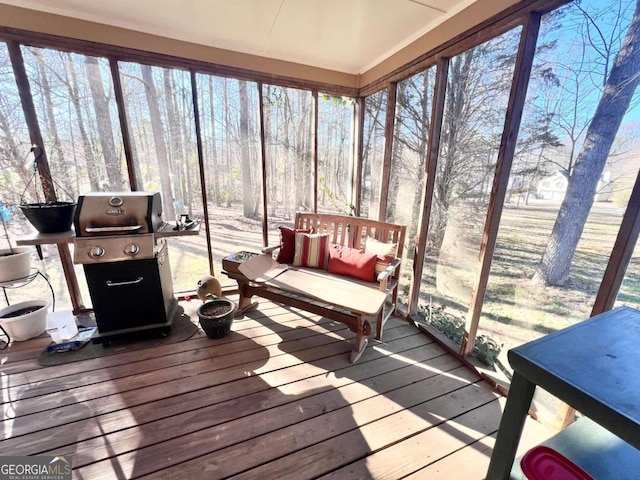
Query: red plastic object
[544, 463]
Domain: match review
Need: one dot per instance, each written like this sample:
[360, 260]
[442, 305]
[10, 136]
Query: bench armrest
[389, 271]
[270, 250]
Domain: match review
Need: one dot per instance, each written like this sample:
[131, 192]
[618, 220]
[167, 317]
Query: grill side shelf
[47, 238]
[167, 230]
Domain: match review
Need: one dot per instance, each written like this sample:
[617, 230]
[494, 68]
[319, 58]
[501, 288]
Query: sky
[610, 20]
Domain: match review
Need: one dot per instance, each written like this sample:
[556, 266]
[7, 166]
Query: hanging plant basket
[216, 317]
[46, 217]
[50, 217]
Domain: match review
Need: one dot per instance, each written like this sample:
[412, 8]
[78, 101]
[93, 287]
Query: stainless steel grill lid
[118, 213]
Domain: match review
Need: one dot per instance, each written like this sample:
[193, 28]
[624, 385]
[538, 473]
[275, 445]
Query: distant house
[554, 187]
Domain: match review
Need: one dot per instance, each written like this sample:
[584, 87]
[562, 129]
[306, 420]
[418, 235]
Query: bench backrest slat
[352, 231]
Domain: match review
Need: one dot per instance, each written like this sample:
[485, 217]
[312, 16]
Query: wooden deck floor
[277, 398]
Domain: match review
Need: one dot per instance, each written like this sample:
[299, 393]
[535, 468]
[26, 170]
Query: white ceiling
[349, 36]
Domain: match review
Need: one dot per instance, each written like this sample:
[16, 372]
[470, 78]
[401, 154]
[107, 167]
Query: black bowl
[51, 217]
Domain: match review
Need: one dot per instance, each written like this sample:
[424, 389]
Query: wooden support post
[620, 254]
[389, 123]
[518, 93]
[30, 116]
[315, 150]
[24, 90]
[124, 125]
[201, 169]
[357, 133]
[263, 151]
[431, 168]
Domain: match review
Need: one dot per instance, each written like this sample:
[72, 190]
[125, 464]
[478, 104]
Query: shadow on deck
[277, 398]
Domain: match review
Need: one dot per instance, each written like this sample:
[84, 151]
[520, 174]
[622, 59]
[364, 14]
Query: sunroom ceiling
[349, 36]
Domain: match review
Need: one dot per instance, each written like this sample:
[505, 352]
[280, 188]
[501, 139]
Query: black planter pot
[216, 317]
[51, 217]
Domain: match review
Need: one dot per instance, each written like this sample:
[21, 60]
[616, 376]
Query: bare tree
[248, 202]
[157, 128]
[213, 150]
[71, 81]
[411, 141]
[373, 136]
[103, 120]
[618, 92]
[50, 118]
[177, 158]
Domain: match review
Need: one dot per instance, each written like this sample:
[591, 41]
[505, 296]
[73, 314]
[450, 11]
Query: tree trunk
[455, 117]
[52, 127]
[394, 182]
[103, 120]
[177, 158]
[294, 142]
[158, 138]
[215, 197]
[272, 179]
[308, 166]
[247, 194]
[89, 156]
[425, 124]
[229, 181]
[614, 102]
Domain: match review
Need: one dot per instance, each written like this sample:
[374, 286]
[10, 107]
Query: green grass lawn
[516, 311]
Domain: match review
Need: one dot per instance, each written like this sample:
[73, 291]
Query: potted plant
[15, 262]
[216, 316]
[25, 320]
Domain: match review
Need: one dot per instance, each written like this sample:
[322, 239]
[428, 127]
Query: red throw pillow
[288, 243]
[352, 262]
[311, 250]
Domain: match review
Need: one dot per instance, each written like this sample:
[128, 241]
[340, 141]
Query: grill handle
[120, 284]
[126, 228]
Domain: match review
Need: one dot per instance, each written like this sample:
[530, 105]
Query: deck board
[277, 398]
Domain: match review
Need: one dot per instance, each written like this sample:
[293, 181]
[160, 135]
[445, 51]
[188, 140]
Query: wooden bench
[354, 232]
[319, 292]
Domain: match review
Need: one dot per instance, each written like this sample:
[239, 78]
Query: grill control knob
[96, 251]
[131, 249]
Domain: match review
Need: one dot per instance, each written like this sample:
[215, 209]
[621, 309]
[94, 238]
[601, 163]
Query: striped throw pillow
[311, 250]
[287, 243]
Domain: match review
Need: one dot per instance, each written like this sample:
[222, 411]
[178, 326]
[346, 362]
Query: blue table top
[594, 366]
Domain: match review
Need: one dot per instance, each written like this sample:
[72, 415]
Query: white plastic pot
[28, 325]
[18, 265]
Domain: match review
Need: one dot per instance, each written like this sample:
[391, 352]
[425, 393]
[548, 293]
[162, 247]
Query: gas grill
[126, 265]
